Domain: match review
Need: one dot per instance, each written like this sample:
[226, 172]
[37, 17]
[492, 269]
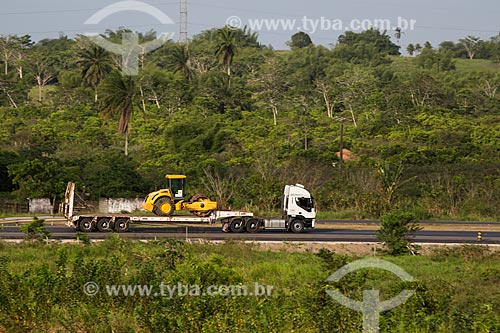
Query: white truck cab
[298, 208]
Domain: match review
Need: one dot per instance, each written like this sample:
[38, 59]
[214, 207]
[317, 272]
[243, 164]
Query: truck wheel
[122, 224]
[236, 225]
[104, 224]
[164, 207]
[253, 225]
[86, 224]
[297, 226]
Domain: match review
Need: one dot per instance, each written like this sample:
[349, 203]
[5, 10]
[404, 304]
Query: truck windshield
[305, 203]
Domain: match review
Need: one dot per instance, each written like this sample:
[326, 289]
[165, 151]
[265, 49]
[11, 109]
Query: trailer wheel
[297, 226]
[122, 224]
[236, 225]
[86, 224]
[253, 225]
[104, 224]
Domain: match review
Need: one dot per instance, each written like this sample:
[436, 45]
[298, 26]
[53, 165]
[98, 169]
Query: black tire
[104, 224]
[236, 225]
[164, 207]
[86, 224]
[253, 225]
[297, 226]
[121, 224]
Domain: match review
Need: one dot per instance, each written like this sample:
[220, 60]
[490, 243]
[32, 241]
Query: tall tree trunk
[142, 99]
[12, 102]
[353, 116]
[126, 143]
[275, 113]
[40, 91]
[155, 97]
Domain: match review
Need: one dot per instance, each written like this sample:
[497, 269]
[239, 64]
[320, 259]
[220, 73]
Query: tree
[325, 90]
[36, 178]
[472, 45]
[95, 64]
[119, 93]
[222, 184]
[226, 47]
[7, 51]
[398, 33]
[418, 48]
[355, 86]
[441, 60]
[397, 229]
[42, 72]
[180, 61]
[368, 47]
[23, 43]
[410, 49]
[35, 230]
[391, 180]
[495, 48]
[269, 87]
[12, 48]
[300, 40]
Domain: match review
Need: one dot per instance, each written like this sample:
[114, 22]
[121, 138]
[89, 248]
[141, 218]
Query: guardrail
[50, 220]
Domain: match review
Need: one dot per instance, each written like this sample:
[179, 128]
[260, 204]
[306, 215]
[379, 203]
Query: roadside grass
[456, 289]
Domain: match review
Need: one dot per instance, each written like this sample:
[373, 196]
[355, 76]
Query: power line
[246, 10]
[89, 29]
[76, 10]
[455, 29]
[318, 17]
[184, 22]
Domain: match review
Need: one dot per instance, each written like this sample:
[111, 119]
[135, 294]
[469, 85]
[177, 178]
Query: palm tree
[119, 93]
[398, 34]
[226, 46]
[181, 61]
[411, 49]
[418, 48]
[96, 64]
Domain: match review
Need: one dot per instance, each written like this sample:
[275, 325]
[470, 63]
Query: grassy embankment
[41, 289]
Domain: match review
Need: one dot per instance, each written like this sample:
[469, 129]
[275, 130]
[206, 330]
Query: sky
[323, 20]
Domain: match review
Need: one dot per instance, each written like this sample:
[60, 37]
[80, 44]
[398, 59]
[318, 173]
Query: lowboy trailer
[297, 208]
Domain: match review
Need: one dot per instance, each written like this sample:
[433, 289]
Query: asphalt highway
[214, 233]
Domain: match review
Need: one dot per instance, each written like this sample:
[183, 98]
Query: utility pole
[183, 36]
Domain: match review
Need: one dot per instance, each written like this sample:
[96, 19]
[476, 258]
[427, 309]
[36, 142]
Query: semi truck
[297, 207]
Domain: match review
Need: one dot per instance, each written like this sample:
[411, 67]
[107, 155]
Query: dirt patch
[429, 227]
[351, 249]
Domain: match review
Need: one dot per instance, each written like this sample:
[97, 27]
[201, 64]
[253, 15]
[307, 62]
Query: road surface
[330, 234]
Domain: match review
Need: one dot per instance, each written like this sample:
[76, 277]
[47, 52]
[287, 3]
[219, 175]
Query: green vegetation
[35, 230]
[241, 120]
[396, 232]
[41, 289]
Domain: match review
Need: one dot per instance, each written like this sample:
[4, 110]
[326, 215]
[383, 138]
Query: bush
[35, 230]
[396, 231]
